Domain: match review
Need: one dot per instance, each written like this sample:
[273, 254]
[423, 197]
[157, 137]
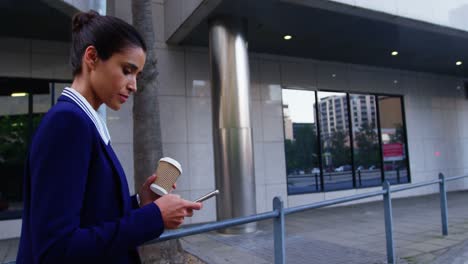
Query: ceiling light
[394, 53]
[287, 37]
[18, 94]
[333, 75]
[458, 63]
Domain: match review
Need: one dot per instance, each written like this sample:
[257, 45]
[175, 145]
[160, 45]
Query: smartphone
[207, 196]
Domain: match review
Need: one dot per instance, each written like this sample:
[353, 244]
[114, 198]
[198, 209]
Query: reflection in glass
[14, 130]
[335, 141]
[393, 136]
[23, 103]
[301, 146]
[354, 158]
[366, 151]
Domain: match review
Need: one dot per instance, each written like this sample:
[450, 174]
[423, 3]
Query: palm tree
[147, 143]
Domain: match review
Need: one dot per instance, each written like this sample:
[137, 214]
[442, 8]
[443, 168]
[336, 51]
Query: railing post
[443, 204]
[316, 182]
[278, 228]
[359, 175]
[388, 223]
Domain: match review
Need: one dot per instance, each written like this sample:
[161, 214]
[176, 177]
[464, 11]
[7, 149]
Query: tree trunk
[147, 144]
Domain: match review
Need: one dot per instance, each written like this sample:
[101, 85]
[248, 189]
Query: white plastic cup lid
[172, 161]
[158, 189]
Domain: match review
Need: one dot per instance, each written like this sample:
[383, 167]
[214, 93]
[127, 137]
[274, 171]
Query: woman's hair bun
[82, 18]
[107, 34]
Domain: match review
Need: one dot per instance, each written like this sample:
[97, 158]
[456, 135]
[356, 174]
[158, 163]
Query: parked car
[372, 167]
[360, 168]
[315, 171]
[343, 168]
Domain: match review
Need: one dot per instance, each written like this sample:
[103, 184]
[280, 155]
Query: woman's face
[114, 79]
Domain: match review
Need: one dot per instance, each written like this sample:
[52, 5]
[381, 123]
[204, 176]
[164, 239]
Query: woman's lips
[123, 98]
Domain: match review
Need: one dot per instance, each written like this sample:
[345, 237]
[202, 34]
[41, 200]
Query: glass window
[23, 103]
[336, 150]
[373, 150]
[301, 141]
[395, 160]
[14, 139]
[366, 151]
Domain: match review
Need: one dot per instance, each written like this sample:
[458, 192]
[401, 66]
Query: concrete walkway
[338, 235]
[8, 250]
[351, 234]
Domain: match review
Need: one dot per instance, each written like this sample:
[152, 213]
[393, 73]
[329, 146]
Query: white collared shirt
[89, 110]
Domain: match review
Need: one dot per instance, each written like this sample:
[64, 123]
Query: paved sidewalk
[8, 250]
[350, 234]
[338, 235]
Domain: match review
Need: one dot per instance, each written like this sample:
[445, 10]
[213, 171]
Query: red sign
[393, 151]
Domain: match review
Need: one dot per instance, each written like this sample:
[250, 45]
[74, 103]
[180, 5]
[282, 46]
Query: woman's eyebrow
[132, 66]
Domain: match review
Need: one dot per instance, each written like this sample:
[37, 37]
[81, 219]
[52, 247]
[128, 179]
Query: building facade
[347, 97]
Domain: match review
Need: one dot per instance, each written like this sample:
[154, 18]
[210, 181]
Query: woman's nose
[132, 86]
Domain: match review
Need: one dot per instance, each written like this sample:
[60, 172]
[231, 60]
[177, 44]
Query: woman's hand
[174, 210]
[146, 195]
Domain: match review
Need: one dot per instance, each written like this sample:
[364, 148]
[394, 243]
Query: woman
[77, 207]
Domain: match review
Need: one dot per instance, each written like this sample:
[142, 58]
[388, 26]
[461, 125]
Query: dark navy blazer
[77, 207]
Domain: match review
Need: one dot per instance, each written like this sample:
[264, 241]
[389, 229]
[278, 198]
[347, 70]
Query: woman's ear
[90, 57]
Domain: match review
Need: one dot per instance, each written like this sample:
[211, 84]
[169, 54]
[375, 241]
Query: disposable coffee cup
[168, 172]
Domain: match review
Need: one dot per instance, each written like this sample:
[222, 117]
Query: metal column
[232, 133]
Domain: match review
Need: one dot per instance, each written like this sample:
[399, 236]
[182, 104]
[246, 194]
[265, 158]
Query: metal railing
[279, 212]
